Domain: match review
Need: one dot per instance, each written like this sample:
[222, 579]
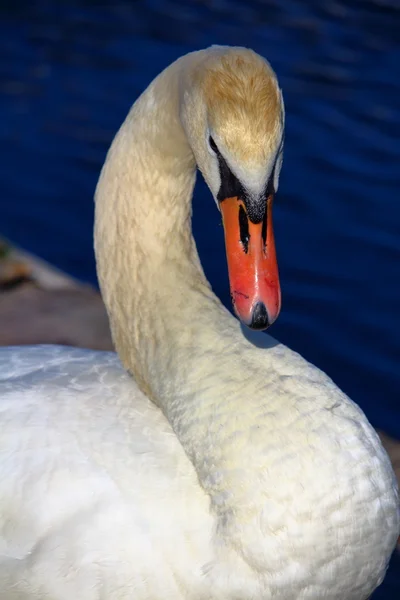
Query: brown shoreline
[41, 305]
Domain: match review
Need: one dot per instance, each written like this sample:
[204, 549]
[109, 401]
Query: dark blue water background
[69, 72]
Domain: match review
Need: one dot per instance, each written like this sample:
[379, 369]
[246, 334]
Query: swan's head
[233, 115]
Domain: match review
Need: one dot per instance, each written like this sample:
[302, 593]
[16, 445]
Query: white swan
[258, 478]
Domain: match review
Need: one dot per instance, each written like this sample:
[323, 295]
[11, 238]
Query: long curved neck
[171, 332]
[149, 270]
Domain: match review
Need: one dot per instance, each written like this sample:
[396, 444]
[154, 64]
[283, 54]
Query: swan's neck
[154, 287]
[171, 332]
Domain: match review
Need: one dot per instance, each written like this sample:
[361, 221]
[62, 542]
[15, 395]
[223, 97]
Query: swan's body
[262, 480]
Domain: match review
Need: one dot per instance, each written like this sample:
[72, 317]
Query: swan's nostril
[264, 230]
[259, 317]
[244, 229]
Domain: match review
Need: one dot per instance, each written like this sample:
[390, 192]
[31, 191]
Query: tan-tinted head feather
[243, 103]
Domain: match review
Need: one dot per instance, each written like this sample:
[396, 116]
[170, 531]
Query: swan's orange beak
[252, 265]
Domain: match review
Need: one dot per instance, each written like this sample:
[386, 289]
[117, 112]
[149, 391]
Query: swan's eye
[213, 145]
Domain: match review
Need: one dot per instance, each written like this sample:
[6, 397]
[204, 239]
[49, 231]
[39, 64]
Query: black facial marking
[244, 229]
[264, 230]
[230, 185]
[213, 145]
[256, 209]
[268, 192]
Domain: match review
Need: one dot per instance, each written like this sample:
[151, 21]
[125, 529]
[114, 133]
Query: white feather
[253, 477]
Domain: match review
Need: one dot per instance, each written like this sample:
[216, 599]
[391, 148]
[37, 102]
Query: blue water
[69, 72]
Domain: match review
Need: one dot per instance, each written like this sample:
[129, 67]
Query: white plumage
[240, 471]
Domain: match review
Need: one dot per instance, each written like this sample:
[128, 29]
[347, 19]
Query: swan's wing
[95, 489]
